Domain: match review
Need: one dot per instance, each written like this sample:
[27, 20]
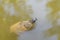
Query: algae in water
[12, 11]
[53, 17]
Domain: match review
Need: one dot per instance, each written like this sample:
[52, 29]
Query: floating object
[22, 26]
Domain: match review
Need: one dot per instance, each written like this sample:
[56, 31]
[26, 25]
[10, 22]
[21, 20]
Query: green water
[6, 19]
[53, 16]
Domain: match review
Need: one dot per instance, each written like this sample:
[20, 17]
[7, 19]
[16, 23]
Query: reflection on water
[41, 23]
[11, 11]
[54, 17]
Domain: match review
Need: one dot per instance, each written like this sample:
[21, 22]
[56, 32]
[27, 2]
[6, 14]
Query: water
[41, 24]
[11, 13]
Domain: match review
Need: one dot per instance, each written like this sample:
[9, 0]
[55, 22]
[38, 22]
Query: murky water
[12, 11]
[39, 11]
